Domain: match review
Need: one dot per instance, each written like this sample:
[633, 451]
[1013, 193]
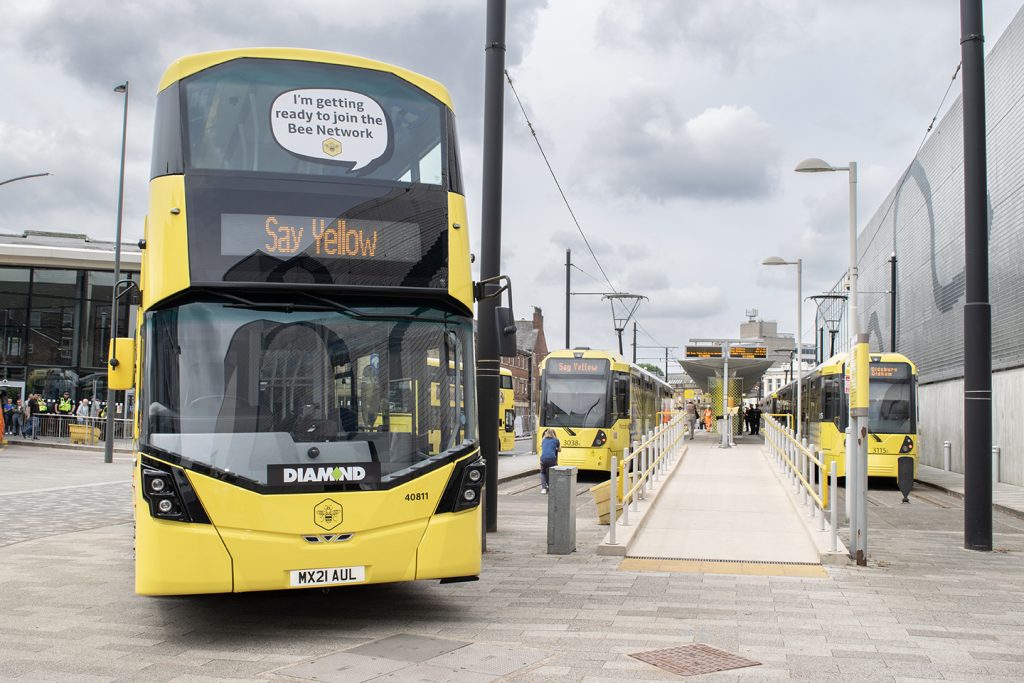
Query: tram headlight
[157, 484]
[600, 439]
[908, 445]
[474, 475]
[469, 495]
[165, 505]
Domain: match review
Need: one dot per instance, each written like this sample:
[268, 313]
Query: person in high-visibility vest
[64, 405]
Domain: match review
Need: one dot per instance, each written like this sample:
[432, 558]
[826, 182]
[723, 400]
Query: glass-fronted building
[55, 308]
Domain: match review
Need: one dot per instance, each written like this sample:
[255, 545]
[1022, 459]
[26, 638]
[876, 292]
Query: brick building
[531, 348]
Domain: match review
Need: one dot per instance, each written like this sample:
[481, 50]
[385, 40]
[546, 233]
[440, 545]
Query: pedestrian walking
[549, 448]
[743, 419]
[708, 416]
[690, 416]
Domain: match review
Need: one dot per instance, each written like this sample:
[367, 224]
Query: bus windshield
[891, 406]
[575, 401]
[343, 122]
[282, 396]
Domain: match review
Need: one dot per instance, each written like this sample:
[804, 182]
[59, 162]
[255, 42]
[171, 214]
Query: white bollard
[833, 493]
[613, 499]
[947, 455]
[996, 453]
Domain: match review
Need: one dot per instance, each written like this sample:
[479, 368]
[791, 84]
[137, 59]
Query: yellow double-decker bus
[506, 411]
[598, 404]
[304, 356]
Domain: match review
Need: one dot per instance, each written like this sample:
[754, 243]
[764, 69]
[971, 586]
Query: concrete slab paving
[924, 608]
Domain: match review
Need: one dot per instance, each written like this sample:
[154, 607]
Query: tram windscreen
[283, 396]
[891, 407]
[576, 393]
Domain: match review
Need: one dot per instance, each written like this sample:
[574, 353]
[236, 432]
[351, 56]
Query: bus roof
[191, 64]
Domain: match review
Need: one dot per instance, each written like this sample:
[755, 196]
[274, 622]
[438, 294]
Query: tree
[653, 369]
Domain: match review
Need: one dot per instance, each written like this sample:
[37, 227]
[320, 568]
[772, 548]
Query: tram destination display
[578, 366]
[889, 371]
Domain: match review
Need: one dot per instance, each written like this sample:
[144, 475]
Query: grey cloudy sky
[673, 125]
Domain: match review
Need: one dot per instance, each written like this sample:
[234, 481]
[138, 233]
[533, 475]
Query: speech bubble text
[334, 125]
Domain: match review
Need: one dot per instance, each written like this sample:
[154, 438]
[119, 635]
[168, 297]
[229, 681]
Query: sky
[673, 127]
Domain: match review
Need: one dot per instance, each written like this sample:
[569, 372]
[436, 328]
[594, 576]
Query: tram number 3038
[328, 576]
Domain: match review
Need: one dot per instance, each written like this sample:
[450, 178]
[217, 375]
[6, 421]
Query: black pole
[108, 444]
[490, 251]
[977, 311]
[618, 331]
[666, 359]
[634, 342]
[568, 295]
[892, 303]
[832, 342]
[821, 344]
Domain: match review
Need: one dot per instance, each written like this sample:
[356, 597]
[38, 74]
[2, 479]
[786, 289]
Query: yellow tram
[598, 404]
[892, 422]
[506, 412]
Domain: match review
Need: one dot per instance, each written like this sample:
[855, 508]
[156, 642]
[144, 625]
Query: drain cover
[690, 660]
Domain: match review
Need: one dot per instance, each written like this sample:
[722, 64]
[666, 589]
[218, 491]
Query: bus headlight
[170, 496]
[908, 445]
[600, 439]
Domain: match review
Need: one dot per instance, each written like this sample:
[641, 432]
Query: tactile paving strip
[691, 660]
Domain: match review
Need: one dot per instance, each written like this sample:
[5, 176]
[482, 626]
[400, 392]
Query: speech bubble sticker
[334, 125]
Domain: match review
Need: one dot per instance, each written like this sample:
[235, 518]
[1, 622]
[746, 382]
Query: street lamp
[799, 263]
[23, 177]
[856, 436]
[108, 447]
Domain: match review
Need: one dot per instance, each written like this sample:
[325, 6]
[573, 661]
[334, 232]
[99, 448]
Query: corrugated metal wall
[922, 222]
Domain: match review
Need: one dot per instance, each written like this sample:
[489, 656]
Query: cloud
[646, 148]
[729, 33]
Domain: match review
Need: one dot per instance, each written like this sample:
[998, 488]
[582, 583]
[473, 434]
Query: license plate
[331, 576]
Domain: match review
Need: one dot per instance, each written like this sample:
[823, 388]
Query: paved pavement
[924, 608]
[724, 504]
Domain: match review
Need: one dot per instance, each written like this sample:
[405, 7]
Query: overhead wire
[565, 199]
[554, 177]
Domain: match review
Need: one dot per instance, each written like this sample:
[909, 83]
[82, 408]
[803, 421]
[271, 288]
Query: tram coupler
[905, 476]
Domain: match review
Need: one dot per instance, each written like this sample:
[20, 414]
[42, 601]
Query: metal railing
[803, 465]
[634, 476]
[56, 428]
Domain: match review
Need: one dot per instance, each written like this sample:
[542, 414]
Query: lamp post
[23, 177]
[799, 263]
[108, 446]
[856, 437]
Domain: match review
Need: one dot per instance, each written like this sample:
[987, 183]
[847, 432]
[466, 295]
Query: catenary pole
[977, 310]
[568, 292]
[108, 444]
[490, 251]
[892, 303]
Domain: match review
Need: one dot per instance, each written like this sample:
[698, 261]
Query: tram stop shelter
[707, 365]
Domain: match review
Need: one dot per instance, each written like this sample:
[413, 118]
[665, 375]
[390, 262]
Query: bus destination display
[578, 366]
[748, 352]
[703, 351]
[286, 236]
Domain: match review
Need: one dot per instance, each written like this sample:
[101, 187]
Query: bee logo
[327, 514]
[332, 147]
